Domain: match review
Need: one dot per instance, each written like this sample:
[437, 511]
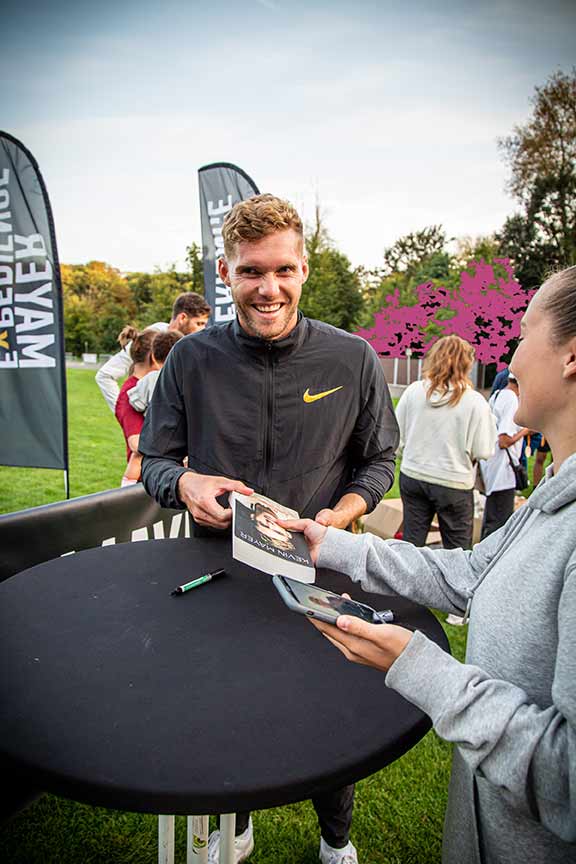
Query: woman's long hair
[447, 368]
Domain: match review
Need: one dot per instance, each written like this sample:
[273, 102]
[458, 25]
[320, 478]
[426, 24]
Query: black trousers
[454, 507]
[499, 507]
[334, 811]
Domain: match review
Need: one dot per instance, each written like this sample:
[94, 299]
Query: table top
[116, 693]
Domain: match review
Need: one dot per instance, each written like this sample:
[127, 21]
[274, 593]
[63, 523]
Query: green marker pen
[181, 589]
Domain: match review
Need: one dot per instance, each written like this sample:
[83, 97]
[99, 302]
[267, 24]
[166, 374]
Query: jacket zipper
[269, 403]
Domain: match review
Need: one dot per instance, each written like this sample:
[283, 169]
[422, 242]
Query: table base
[196, 839]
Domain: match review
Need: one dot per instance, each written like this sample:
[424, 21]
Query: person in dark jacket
[275, 403]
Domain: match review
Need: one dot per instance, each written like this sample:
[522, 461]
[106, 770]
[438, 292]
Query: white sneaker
[329, 855]
[243, 845]
[455, 620]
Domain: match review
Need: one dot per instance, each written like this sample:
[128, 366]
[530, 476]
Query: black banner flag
[32, 371]
[222, 185]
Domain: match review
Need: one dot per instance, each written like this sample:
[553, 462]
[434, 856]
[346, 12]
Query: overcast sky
[385, 112]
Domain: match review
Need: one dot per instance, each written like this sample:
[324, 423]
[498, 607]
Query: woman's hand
[313, 532]
[376, 645]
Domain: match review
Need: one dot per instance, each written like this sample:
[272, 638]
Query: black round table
[116, 693]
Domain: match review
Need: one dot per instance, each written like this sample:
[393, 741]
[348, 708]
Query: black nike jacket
[303, 420]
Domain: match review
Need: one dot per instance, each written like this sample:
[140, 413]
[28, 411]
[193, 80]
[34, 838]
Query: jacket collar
[286, 346]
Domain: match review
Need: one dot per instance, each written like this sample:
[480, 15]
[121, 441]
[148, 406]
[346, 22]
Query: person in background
[497, 472]
[500, 380]
[500, 383]
[541, 449]
[139, 396]
[510, 708]
[190, 314]
[131, 421]
[149, 351]
[445, 428]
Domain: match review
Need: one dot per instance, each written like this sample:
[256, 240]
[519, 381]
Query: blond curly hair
[258, 217]
[447, 367]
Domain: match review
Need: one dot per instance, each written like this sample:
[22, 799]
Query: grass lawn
[398, 813]
[97, 454]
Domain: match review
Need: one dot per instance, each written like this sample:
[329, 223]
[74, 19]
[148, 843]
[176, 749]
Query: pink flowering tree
[485, 309]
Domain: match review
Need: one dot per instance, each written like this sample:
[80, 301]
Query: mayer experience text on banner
[32, 372]
[221, 186]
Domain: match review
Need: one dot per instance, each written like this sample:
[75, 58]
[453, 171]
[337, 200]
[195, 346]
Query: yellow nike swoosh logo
[308, 398]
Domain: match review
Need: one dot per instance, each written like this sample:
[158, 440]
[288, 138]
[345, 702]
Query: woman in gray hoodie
[510, 708]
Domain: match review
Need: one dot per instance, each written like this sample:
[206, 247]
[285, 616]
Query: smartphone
[316, 602]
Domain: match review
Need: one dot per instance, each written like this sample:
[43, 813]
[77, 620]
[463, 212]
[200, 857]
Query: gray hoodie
[510, 709]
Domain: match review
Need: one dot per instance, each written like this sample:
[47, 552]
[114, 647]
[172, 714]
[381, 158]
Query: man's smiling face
[266, 278]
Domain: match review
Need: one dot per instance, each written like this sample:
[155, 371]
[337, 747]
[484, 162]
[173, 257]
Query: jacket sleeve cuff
[363, 493]
[425, 675]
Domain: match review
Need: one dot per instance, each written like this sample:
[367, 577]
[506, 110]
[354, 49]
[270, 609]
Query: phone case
[293, 604]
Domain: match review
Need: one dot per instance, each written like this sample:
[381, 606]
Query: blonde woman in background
[445, 427]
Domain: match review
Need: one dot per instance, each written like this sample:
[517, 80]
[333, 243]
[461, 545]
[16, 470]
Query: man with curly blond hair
[296, 408]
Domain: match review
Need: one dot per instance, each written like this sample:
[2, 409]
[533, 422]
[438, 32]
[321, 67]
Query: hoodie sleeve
[526, 751]
[443, 578]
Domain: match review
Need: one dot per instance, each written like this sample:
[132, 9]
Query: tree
[332, 291]
[542, 159]
[409, 251]
[485, 309]
[160, 289]
[78, 325]
[520, 241]
[412, 260]
[484, 248]
[195, 268]
[140, 285]
[97, 304]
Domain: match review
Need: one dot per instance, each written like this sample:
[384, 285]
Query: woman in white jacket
[445, 427]
[510, 708]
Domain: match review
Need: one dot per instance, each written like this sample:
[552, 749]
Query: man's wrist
[180, 483]
[364, 501]
[351, 506]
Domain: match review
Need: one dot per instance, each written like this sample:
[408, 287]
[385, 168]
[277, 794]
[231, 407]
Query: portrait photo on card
[260, 541]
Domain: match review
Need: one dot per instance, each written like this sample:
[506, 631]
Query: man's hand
[199, 492]
[332, 518]
[348, 508]
[376, 645]
[313, 532]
